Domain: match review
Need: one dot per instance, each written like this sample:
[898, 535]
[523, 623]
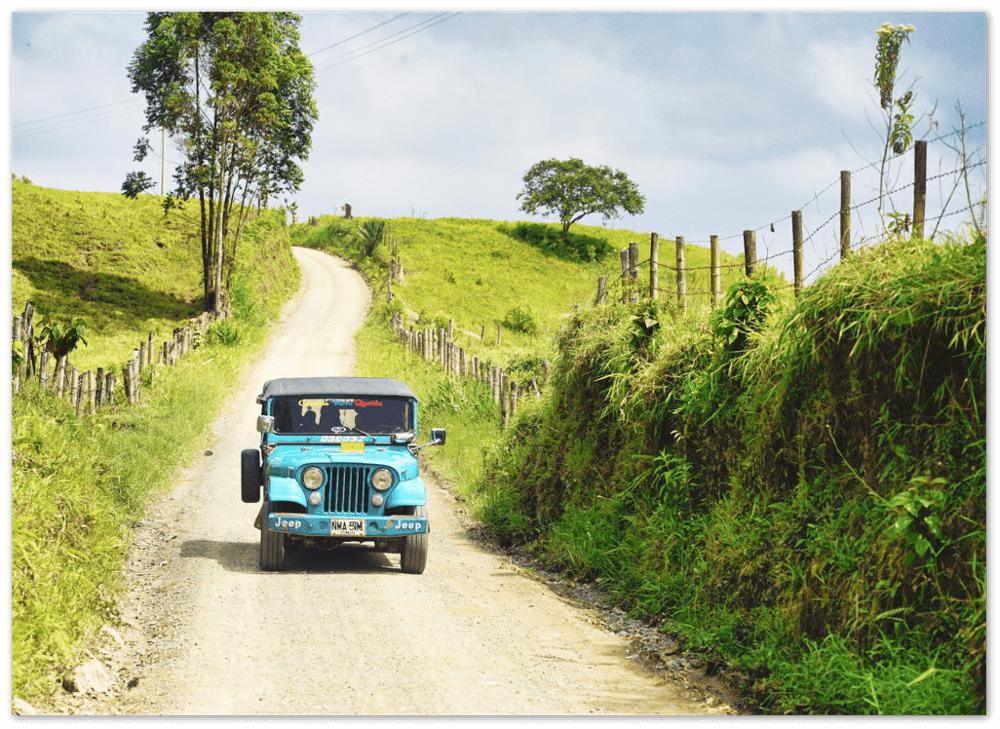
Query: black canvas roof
[336, 386]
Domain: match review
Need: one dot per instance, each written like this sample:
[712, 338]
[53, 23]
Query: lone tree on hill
[571, 190]
[235, 93]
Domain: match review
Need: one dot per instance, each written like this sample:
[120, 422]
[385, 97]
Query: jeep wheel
[413, 556]
[272, 544]
[251, 475]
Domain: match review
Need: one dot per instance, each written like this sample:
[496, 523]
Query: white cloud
[840, 77]
[726, 121]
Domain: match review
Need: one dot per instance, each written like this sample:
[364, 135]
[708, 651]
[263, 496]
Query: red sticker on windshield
[367, 404]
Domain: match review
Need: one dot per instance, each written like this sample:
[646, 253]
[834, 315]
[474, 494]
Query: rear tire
[413, 556]
[272, 544]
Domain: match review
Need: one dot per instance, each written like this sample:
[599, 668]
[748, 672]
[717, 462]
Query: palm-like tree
[372, 233]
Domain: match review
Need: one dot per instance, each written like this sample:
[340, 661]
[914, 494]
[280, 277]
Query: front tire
[272, 544]
[413, 556]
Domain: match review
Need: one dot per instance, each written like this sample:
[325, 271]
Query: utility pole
[163, 160]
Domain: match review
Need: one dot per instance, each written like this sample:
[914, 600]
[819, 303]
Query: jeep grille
[347, 492]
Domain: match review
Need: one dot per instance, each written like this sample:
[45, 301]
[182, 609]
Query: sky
[726, 121]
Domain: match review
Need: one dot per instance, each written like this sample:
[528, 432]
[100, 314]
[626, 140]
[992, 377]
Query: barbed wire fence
[438, 345]
[629, 289]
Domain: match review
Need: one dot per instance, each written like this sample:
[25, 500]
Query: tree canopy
[235, 93]
[571, 190]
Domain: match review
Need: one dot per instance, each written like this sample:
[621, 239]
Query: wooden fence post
[797, 251]
[504, 400]
[623, 255]
[99, 388]
[602, 282]
[919, 186]
[60, 377]
[845, 214]
[43, 369]
[513, 398]
[654, 266]
[74, 386]
[716, 272]
[109, 389]
[90, 392]
[749, 252]
[633, 271]
[681, 276]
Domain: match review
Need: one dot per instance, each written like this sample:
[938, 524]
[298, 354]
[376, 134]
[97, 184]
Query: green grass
[79, 484]
[805, 502]
[479, 272]
[122, 265]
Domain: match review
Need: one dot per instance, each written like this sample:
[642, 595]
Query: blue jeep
[338, 463]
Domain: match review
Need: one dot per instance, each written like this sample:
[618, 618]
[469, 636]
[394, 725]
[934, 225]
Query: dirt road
[346, 632]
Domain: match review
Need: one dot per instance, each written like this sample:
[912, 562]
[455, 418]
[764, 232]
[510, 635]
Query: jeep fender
[407, 493]
[280, 488]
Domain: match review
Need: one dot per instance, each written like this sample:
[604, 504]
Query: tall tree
[570, 189]
[235, 93]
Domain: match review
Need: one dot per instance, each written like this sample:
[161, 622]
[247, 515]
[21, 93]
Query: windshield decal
[313, 408]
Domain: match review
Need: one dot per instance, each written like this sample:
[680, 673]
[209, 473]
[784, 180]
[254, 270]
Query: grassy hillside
[122, 265]
[80, 483]
[798, 493]
[476, 272]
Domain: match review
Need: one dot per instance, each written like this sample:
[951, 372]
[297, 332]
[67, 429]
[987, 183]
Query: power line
[60, 121]
[375, 43]
[23, 129]
[357, 35]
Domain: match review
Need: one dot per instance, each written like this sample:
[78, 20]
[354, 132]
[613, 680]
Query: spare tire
[251, 475]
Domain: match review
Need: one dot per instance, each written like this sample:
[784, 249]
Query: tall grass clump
[797, 488]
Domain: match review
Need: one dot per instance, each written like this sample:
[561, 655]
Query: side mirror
[265, 424]
[437, 436]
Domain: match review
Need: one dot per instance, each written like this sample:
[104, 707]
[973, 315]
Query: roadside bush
[548, 237]
[522, 318]
[224, 332]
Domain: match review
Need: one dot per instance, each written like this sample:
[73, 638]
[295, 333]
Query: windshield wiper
[358, 430]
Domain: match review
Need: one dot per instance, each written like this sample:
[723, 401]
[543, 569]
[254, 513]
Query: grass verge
[79, 483]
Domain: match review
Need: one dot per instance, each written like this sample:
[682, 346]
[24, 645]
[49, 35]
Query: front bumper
[348, 526]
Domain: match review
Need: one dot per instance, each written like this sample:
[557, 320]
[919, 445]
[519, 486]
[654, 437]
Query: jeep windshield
[295, 415]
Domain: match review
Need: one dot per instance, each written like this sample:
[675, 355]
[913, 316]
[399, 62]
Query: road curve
[346, 633]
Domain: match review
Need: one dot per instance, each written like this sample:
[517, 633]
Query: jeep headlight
[382, 479]
[312, 478]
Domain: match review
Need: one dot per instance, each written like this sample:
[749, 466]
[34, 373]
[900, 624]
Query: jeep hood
[288, 458]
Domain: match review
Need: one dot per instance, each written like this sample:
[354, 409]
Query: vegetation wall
[798, 492]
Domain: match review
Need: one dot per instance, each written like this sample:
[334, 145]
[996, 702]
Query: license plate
[352, 447]
[347, 527]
